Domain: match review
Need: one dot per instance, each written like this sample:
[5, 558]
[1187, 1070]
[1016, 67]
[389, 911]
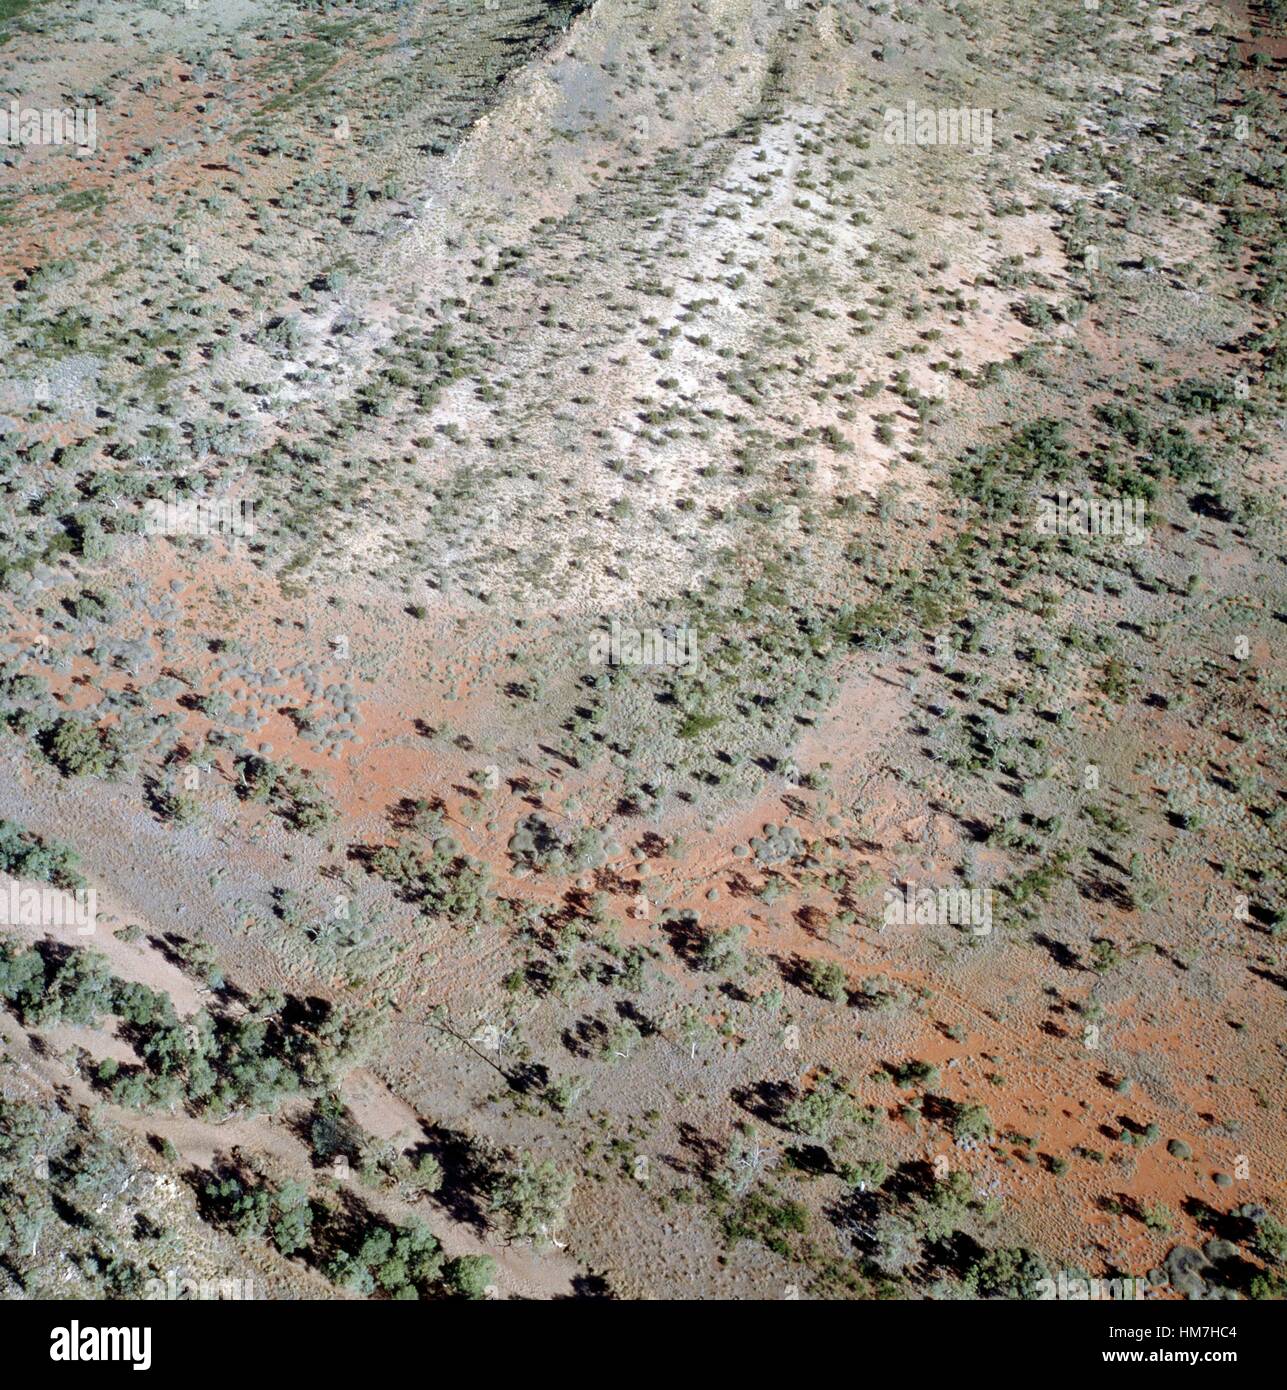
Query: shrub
[970, 1122]
[445, 884]
[824, 1110]
[24, 854]
[529, 1198]
[78, 749]
[289, 791]
[1012, 1272]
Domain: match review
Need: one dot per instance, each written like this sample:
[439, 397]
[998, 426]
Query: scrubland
[632, 572]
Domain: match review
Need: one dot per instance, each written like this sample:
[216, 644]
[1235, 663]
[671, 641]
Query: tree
[971, 1122]
[400, 1260]
[946, 1207]
[292, 1227]
[471, 1276]
[825, 1109]
[1010, 1273]
[827, 979]
[895, 1245]
[1270, 1241]
[721, 952]
[79, 750]
[530, 1198]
